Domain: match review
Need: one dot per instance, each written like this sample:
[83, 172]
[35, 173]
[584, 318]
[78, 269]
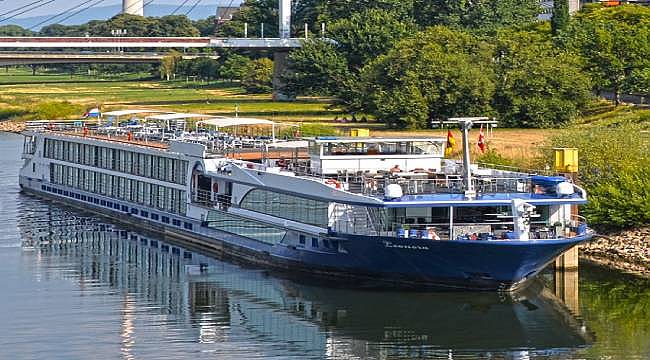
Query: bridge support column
[279, 66]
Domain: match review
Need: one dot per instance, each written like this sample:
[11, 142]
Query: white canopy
[131, 112]
[296, 144]
[223, 121]
[176, 116]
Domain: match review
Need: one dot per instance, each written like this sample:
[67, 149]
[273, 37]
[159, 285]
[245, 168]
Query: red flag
[451, 142]
[481, 140]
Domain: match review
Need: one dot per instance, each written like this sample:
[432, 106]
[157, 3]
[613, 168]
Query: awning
[297, 144]
[222, 121]
[132, 111]
[176, 116]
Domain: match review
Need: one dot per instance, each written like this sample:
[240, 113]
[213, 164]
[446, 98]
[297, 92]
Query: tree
[436, 74]
[473, 15]
[615, 42]
[367, 34]
[538, 85]
[235, 67]
[315, 69]
[168, 64]
[260, 77]
[560, 18]
[15, 30]
[206, 68]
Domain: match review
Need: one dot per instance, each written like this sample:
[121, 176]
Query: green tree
[235, 67]
[15, 30]
[560, 18]
[206, 68]
[315, 69]
[168, 64]
[433, 75]
[367, 34]
[473, 15]
[615, 42]
[260, 77]
[537, 84]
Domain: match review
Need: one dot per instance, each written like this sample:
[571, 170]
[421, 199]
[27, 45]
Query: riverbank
[626, 250]
[12, 126]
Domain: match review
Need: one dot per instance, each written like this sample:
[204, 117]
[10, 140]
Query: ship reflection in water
[209, 308]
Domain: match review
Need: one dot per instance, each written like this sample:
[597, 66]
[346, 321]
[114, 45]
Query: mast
[465, 124]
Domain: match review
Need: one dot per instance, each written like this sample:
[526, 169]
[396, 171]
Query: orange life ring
[334, 182]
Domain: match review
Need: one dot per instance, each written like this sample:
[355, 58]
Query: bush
[614, 166]
[53, 110]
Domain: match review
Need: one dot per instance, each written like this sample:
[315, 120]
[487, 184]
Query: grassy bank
[21, 94]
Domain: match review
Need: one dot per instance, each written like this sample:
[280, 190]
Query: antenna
[465, 124]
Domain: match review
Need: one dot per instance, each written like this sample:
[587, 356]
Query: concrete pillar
[279, 66]
[568, 260]
[566, 288]
[574, 6]
[285, 19]
[133, 7]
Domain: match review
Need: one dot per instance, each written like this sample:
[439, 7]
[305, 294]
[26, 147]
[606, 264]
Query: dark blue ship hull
[476, 265]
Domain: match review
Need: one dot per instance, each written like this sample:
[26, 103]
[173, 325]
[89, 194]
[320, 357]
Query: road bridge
[43, 58]
[98, 42]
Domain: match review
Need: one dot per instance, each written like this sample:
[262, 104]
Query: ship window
[144, 213]
[102, 202]
[43, 187]
[96, 201]
[176, 222]
[116, 206]
[314, 242]
[326, 243]
[302, 239]
[245, 227]
[154, 216]
[188, 226]
[125, 208]
[134, 211]
[165, 219]
[335, 244]
[286, 206]
[33, 167]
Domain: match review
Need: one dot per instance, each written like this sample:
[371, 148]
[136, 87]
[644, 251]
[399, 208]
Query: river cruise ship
[388, 211]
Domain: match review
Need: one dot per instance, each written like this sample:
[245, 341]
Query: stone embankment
[12, 126]
[627, 250]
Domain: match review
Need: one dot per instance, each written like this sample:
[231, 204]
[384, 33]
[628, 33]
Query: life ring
[336, 183]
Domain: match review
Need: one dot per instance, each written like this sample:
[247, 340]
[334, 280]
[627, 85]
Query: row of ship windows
[152, 195]
[146, 165]
[286, 206]
[116, 206]
[330, 244]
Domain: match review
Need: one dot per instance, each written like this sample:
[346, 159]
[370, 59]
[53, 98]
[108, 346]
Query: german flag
[451, 142]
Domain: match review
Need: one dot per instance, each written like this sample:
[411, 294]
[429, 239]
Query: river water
[74, 285]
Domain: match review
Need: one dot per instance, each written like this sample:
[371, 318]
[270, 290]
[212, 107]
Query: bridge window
[287, 207]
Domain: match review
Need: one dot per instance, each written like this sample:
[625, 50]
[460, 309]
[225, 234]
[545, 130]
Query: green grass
[22, 92]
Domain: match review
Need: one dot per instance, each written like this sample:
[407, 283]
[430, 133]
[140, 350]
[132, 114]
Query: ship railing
[352, 219]
[212, 200]
[421, 184]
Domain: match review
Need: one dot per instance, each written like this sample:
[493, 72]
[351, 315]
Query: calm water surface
[73, 285]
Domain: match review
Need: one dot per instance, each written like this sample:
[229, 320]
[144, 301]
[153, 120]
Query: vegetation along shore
[395, 70]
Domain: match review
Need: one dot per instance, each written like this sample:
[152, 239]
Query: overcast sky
[62, 5]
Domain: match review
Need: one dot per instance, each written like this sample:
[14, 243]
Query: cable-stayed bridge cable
[193, 7]
[82, 10]
[20, 8]
[60, 14]
[179, 7]
[25, 11]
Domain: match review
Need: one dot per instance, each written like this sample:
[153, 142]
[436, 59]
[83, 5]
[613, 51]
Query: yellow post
[566, 160]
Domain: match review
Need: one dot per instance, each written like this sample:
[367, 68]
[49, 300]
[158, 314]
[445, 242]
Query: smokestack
[133, 7]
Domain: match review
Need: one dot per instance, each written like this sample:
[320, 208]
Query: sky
[57, 6]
